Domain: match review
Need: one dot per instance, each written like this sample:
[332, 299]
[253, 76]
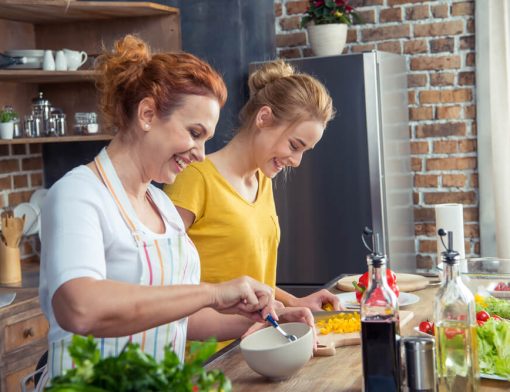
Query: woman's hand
[317, 300]
[244, 296]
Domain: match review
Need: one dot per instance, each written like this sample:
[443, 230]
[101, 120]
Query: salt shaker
[60, 61]
[420, 364]
[48, 61]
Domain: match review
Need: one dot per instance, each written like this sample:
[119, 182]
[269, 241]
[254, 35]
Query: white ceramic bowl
[270, 354]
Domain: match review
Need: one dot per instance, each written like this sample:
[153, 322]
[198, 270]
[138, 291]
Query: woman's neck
[237, 157]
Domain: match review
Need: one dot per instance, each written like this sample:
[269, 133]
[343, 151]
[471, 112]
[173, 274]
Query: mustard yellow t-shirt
[233, 236]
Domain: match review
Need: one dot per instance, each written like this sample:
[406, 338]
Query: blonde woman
[226, 201]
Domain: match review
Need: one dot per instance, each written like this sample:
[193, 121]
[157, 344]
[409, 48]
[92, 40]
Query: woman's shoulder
[80, 182]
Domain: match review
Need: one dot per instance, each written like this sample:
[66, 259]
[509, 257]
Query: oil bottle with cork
[455, 323]
[380, 326]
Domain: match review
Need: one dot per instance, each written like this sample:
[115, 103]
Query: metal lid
[419, 343]
[40, 101]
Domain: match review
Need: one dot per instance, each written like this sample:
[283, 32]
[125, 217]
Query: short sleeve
[72, 233]
[189, 191]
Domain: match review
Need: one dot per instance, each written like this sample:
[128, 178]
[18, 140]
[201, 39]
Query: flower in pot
[326, 22]
[7, 118]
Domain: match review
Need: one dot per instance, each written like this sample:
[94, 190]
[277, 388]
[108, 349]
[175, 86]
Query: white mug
[48, 61]
[75, 59]
[60, 61]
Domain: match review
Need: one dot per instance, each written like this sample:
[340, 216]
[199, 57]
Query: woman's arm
[106, 308]
[314, 301]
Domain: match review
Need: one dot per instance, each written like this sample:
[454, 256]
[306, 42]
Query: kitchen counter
[341, 372]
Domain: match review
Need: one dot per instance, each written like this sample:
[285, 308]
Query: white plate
[483, 375]
[25, 53]
[31, 213]
[348, 300]
[38, 196]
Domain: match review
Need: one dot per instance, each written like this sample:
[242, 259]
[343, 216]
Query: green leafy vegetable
[494, 347]
[135, 371]
[495, 306]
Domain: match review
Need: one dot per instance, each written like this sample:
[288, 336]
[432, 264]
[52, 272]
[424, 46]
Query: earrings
[147, 126]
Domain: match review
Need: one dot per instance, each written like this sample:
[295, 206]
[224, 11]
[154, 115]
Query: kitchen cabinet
[83, 25]
[23, 331]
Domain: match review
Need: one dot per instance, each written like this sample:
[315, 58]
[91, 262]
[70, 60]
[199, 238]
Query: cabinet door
[13, 380]
[24, 332]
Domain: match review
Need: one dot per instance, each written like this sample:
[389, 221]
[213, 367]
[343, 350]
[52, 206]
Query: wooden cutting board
[405, 282]
[350, 339]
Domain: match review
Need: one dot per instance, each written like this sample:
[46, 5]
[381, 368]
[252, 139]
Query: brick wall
[438, 42]
[21, 173]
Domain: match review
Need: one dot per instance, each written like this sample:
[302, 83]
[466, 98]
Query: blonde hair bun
[267, 74]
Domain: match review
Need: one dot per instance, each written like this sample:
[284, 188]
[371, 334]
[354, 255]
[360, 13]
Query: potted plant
[326, 22]
[7, 117]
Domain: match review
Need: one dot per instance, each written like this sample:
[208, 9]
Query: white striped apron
[166, 260]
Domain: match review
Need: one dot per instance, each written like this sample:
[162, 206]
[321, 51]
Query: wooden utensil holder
[10, 264]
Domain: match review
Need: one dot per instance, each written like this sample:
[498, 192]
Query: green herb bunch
[329, 11]
[7, 114]
[135, 371]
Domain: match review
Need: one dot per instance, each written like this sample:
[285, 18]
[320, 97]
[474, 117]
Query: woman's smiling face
[174, 142]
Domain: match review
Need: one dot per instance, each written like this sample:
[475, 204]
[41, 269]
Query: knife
[323, 315]
[6, 299]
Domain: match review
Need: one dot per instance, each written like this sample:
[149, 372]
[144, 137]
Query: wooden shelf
[40, 76]
[63, 11]
[58, 139]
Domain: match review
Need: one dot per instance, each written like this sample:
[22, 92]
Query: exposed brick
[417, 12]
[467, 78]
[470, 26]
[470, 112]
[471, 230]
[442, 79]
[4, 150]
[463, 163]
[442, 45]
[398, 2]
[470, 59]
[5, 183]
[416, 46]
[466, 8]
[449, 197]
[35, 148]
[477, 249]
[278, 9]
[416, 198]
[474, 180]
[362, 48]
[307, 52]
[428, 246]
[416, 80]
[424, 262]
[352, 35]
[16, 198]
[289, 53]
[419, 147]
[293, 39]
[470, 214]
[19, 149]
[448, 112]
[422, 215]
[467, 42]
[32, 164]
[291, 23]
[473, 128]
[467, 145]
[20, 181]
[386, 32]
[440, 11]
[436, 29]
[390, 46]
[442, 129]
[421, 113]
[367, 16]
[416, 164]
[296, 7]
[391, 15]
[435, 62]
[36, 179]
[454, 180]
[426, 229]
[411, 97]
[445, 147]
[445, 96]
[425, 180]
[9, 165]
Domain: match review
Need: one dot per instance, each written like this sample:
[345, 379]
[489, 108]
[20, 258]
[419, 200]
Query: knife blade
[324, 315]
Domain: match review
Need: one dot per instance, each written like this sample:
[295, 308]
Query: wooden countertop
[341, 372]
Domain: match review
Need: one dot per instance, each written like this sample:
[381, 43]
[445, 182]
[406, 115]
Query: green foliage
[135, 371]
[7, 115]
[330, 11]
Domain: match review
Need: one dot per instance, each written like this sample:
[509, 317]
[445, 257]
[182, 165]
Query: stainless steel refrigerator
[358, 175]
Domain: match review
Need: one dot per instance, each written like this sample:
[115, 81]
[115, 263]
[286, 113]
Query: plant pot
[7, 130]
[327, 39]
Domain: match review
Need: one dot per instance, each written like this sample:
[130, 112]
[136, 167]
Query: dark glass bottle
[380, 331]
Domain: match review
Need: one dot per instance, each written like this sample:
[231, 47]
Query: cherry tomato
[482, 315]
[427, 327]
[480, 322]
[496, 317]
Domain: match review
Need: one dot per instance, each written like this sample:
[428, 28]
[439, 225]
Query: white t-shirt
[84, 235]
